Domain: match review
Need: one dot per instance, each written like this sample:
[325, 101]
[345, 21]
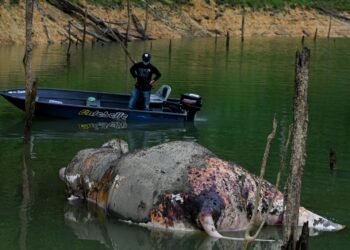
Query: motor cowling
[191, 103]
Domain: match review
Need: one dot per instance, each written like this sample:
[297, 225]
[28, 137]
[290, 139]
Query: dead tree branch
[43, 20]
[252, 222]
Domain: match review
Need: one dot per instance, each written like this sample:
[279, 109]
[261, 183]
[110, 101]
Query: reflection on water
[88, 222]
[137, 134]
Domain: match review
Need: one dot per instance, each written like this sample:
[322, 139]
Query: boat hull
[69, 108]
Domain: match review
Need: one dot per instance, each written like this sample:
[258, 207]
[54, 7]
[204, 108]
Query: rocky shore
[198, 19]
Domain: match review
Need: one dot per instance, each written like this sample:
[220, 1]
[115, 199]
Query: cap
[146, 57]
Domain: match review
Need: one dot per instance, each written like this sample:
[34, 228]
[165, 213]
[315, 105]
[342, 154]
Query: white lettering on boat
[105, 114]
[55, 101]
[16, 92]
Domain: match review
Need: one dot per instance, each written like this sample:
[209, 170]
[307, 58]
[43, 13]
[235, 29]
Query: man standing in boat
[143, 73]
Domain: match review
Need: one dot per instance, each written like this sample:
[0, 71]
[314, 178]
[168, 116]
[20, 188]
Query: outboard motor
[191, 103]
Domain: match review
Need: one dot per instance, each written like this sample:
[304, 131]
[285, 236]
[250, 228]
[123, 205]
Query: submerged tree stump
[332, 159]
[298, 157]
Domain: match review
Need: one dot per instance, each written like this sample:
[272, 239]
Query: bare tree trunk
[146, 22]
[315, 36]
[242, 27]
[30, 88]
[84, 31]
[69, 41]
[227, 40]
[329, 28]
[298, 157]
[128, 25]
[27, 60]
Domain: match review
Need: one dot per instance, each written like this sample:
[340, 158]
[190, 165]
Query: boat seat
[161, 95]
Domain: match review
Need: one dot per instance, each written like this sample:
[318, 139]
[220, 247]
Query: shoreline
[198, 19]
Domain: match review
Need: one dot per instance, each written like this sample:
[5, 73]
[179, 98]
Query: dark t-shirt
[144, 73]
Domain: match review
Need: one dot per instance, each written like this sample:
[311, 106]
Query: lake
[241, 88]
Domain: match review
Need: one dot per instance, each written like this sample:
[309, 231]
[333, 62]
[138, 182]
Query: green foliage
[14, 2]
[279, 4]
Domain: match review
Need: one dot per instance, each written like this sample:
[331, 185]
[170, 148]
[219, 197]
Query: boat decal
[104, 114]
[16, 92]
[55, 102]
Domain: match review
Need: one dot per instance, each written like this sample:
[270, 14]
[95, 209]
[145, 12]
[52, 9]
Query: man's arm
[133, 70]
[156, 72]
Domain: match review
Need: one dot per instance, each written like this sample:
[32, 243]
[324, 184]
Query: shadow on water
[88, 222]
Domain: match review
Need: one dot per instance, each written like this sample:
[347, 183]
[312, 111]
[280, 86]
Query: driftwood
[159, 16]
[332, 13]
[43, 20]
[90, 33]
[137, 24]
[63, 32]
[73, 9]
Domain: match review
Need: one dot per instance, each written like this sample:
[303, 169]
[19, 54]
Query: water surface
[241, 88]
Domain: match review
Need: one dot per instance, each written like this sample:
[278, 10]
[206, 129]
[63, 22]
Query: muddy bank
[197, 19]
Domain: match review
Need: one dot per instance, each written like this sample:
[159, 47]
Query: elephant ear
[118, 145]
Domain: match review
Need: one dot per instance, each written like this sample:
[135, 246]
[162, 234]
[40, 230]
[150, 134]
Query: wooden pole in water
[329, 27]
[298, 155]
[30, 86]
[315, 36]
[302, 40]
[170, 48]
[84, 31]
[332, 159]
[242, 27]
[227, 40]
[216, 38]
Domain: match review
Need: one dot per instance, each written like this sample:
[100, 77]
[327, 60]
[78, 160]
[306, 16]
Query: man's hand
[152, 83]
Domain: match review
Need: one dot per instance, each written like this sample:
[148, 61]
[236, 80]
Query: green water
[241, 88]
